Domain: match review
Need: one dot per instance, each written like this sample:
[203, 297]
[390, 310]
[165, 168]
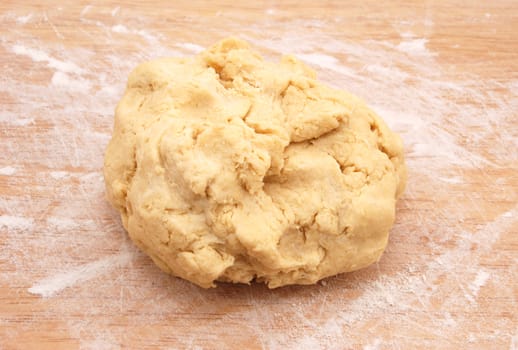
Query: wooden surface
[444, 74]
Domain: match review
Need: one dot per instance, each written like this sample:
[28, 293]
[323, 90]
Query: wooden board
[443, 74]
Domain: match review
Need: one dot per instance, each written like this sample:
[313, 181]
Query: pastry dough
[226, 167]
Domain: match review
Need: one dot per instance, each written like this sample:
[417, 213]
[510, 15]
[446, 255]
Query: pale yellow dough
[225, 167]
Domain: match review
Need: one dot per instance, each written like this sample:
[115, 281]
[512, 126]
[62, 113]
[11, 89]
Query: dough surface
[225, 167]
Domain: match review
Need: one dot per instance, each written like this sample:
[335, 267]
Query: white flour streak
[13, 119]
[16, 222]
[85, 10]
[190, 47]
[61, 79]
[41, 56]
[54, 284]
[119, 28]
[407, 35]
[480, 280]
[122, 29]
[58, 175]
[415, 47]
[24, 19]
[64, 223]
[7, 171]
[115, 11]
[451, 180]
[326, 62]
[374, 346]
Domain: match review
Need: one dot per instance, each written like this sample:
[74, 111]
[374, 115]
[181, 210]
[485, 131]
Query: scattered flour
[415, 47]
[8, 170]
[119, 28]
[115, 11]
[376, 344]
[64, 80]
[190, 47]
[325, 61]
[56, 283]
[85, 10]
[16, 223]
[58, 175]
[24, 19]
[480, 280]
[41, 56]
[15, 120]
[122, 29]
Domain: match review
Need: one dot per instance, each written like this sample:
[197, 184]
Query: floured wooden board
[444, 75]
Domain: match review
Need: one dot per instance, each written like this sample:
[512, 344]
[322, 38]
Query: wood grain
[449, 276]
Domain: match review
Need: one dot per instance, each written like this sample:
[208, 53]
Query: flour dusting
[41, 56]
[190, 47]
[66, 81]
[119, 28]
[480, 280]
[24, 19]
[115, 11]
[56, 283]
[16, 223]
[415, 47]
[8, 171]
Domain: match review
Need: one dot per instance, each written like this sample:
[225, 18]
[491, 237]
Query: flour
[115, 11]
[64, 80]
[9, 118]
[58, 175]
[16, 223]
[119, 28]
[122, 29]
[65, 223]
[85, 10]
[8, 171]
[24, 19]
[325, 61]
[480, 279]
[41, 56]
[54, 284]
[415, 47]
[190, 47]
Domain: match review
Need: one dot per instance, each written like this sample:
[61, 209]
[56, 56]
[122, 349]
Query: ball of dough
[225, 167]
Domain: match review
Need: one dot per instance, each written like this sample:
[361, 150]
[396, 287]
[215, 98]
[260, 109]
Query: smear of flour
[24, 19]
[416, 47]
[64, 80]
[190, 47]
[56, 283]
[122, 29]
[8, 170]
[115, 11]
[480, 279]
[58, 175]
[18, 223]
[85, 10]
[119, 28]
[326, 61]
[41, 56]
[15, 120]
[375, 345]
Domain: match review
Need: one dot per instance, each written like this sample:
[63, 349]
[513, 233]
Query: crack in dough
[226, 167]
